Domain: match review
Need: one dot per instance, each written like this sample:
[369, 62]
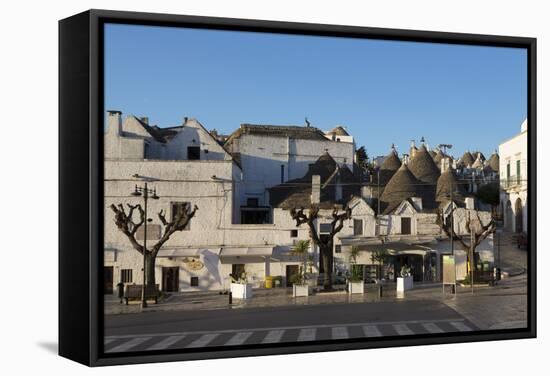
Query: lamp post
[145, 191]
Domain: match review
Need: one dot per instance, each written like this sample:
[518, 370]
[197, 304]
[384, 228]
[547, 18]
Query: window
[194, 281]
[508, 171]
[282, 173]
[405, 226]
[254, 216]
[126, 276]
[518, 171]
[175, 206]
[193, 153]
[357, 227]
[325, 227]
[252, 202]
[338, 248]
[293, 233]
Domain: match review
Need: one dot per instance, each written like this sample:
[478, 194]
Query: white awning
[184, 252]
[246, 251]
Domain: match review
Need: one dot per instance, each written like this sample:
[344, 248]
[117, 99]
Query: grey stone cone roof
[296, 193]
[402, 185]
[389, 166]
[432, 154]
[493, 163]
[445, 183]
[467, 159]
[423, 167]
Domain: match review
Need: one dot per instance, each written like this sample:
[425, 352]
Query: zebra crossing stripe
[371, 331]
[238, 339]
[432, 328]
[307, 334]
[461, 326]
[340, 332]
[203, 340]
[402, 329]
[165, 343]
[129, 344]
[273, 336]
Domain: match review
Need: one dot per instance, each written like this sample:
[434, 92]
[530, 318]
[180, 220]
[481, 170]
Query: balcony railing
[513, 182]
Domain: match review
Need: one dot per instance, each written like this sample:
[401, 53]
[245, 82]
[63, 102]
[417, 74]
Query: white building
[243, 222]
[513, 181]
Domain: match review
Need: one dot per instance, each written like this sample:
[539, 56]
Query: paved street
[165, 330]
[192, 320]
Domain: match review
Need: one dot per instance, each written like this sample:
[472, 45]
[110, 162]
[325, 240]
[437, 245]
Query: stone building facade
[513, 181]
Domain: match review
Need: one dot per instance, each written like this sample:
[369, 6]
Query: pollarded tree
[126, 224]
[324, 243]
[477, 232]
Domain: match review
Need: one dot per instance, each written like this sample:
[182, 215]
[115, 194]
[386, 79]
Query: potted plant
[240, 288]
[300, 287]
[405, 280]
[356, 283]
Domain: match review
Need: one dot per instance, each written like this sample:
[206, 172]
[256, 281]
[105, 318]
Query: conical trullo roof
[423, 167]
[390, 165]
[432, 154]
[467, 159]
[445, 183]
[478, 163]
[494, 162]
[402, 185]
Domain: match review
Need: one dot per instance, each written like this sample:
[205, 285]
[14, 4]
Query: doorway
[107, 280]
[519, 215]
[290, 271]
[170, 279]
[415, 262]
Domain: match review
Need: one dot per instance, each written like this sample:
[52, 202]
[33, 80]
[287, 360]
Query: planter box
[241, 290]
[300, 290]
[356, 287]
[404, 283]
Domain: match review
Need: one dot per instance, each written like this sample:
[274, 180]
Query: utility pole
[145, 191]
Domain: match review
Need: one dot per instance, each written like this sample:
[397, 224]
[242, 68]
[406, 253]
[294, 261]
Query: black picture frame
[81, 169]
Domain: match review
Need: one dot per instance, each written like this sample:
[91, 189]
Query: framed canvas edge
[95, 318]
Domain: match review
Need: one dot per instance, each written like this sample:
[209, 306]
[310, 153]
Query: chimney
[144, 119]
[185, 120]
[445, 164]
[469, 201]
[114, 122]
[316, 189]
[367, 193]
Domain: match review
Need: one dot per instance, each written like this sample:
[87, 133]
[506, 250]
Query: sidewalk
[501, 306]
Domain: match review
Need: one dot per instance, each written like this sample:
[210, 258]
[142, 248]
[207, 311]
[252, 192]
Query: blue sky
[384, 92]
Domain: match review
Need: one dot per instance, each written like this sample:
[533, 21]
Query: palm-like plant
[301, 250]
[356, 273]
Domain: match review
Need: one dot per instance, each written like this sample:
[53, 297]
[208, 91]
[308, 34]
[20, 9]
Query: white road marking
[129, 344]
[371, 331]
[402, 329]
[165, 343]
[108, 340]
[461, 326]
[432, 328]
[238, 339]
[203, 340]
[340, 332]
[199, 332]
[307, 334]
[273, 336]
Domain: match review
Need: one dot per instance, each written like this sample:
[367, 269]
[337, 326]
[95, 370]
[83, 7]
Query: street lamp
[147, 193]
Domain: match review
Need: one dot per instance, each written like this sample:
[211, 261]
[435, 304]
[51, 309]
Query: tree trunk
[150, 270]
[326, 254]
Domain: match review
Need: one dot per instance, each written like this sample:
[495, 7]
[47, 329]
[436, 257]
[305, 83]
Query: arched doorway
[519, 215]
[508, 217]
